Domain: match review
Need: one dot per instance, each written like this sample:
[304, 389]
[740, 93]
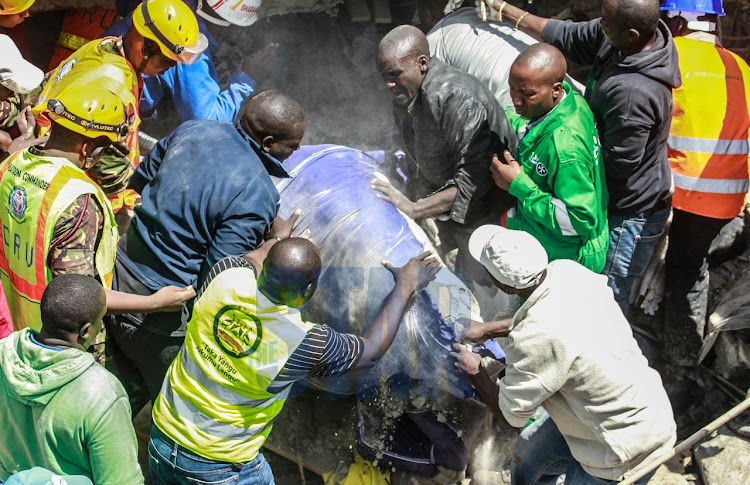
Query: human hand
[258, 64]
[415, 274]
[283, 228]
[504, 173]
[26, 123]
[489, 11]
[466, 360]
[172, 298]
[389, 193]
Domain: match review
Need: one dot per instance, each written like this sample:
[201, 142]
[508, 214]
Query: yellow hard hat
[90, 111]
[173, 26]
[10, 7]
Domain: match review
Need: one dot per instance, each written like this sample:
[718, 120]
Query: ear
[633, 35]
[85, 332]
[424, 63]
[85, 153]
[557, 90]
[267, 142]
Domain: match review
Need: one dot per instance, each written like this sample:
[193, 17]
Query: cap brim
[480, 237]
[25, 78]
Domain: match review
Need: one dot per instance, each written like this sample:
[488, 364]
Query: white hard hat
[237, 12]
[16, 73]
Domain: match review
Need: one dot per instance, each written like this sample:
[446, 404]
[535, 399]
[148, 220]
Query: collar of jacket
[562, 110]
[272, 165]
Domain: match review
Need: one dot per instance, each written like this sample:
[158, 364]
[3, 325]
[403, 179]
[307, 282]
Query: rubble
[725, 458]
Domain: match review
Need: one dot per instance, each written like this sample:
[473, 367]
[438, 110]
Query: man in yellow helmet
[57, 219]
[13, 12]
[164, 32]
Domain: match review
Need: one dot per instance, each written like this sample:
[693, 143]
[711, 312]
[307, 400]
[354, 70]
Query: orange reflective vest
[708, 142]
[80, 26]
[37, 191]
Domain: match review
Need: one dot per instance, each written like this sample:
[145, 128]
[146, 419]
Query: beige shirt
[571, 350]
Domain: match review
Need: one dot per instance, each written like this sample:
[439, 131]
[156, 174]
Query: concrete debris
[724, 459]
[732, 351]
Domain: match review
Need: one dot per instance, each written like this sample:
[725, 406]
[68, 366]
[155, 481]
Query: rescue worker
[14, 12]
[246, 345]
[18, 78]
[57, 219]
[708, 151]
[570, 350]
[194, 88]
[164, 32]
[633, 71]
[559, 178]
[79, 27]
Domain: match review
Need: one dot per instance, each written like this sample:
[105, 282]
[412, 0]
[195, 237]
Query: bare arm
[481, 332]
[167, 299]
[530, 24]
[438, 203]
[471, 363]
[379, 337]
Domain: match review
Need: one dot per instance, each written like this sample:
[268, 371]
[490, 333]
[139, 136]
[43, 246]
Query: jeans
[170, 464]
[686, 296]
[541, 455]
[632, 241]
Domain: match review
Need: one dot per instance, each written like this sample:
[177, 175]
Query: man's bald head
[404, 40]
[403, 60]
[544, 61]
[275, 121]
[640, 15]
[535, 80]
[290, 271]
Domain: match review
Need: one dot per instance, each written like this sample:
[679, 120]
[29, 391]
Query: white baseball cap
[16, 73]
[514, 258]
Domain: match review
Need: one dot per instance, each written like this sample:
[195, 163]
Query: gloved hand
[491, 11]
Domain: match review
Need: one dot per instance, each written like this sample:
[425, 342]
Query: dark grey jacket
[449, 132]
[631, 98]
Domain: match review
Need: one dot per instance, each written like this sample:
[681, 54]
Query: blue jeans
[171, 464]
[541, 455]
[632, 241]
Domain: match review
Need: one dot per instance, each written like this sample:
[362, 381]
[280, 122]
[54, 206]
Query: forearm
[488, 390]
[435, 204]
[379, 337]
[530, 24]
[258, 255]
[118, 302]
[480, 332]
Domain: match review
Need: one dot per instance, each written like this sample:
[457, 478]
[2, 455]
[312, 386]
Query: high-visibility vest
[80, 26]
[215, 400]
[37, 190]
[708, 141]
[111, 71]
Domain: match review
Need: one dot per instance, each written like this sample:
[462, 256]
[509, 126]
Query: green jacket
[62, 411]
[561, 191]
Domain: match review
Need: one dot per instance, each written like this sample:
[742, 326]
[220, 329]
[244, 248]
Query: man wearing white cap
[570, 350]
[18, 77]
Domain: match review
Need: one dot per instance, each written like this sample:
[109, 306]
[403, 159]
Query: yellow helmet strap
[148, 21]
[56, 107]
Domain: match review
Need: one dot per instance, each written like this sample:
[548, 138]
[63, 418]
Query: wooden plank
[382, 11]
[357, 10]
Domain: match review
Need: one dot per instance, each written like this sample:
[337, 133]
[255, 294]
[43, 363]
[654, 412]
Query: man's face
[10, 21]
[5, 93]
[617, 36]
[533, 96]
[402, 75]
[283, 148]
[158, 64]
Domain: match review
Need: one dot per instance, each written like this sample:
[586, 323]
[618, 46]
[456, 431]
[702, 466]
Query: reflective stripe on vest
[79, 27]
[215, 400]
[709, 149]
[37, 191]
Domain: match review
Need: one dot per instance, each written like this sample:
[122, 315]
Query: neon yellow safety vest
[36, 190]
[215, 400]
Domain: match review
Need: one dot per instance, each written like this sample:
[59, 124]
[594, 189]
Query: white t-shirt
[485, 50]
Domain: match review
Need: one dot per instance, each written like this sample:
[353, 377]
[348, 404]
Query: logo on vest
[65, 69]
[237, 332]
[540, 168]
[17, 203]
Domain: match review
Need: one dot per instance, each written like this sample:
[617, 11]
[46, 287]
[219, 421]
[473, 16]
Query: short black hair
[273, 113]
[641, 15]
[70, 301]
[404, 40]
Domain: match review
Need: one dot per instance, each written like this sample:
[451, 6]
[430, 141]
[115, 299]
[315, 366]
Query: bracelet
[499, 16]
[521, 18]
[277, 238]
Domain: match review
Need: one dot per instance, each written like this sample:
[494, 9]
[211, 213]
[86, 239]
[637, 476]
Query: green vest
[562, 194]
[36, 190]
[215, 400]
